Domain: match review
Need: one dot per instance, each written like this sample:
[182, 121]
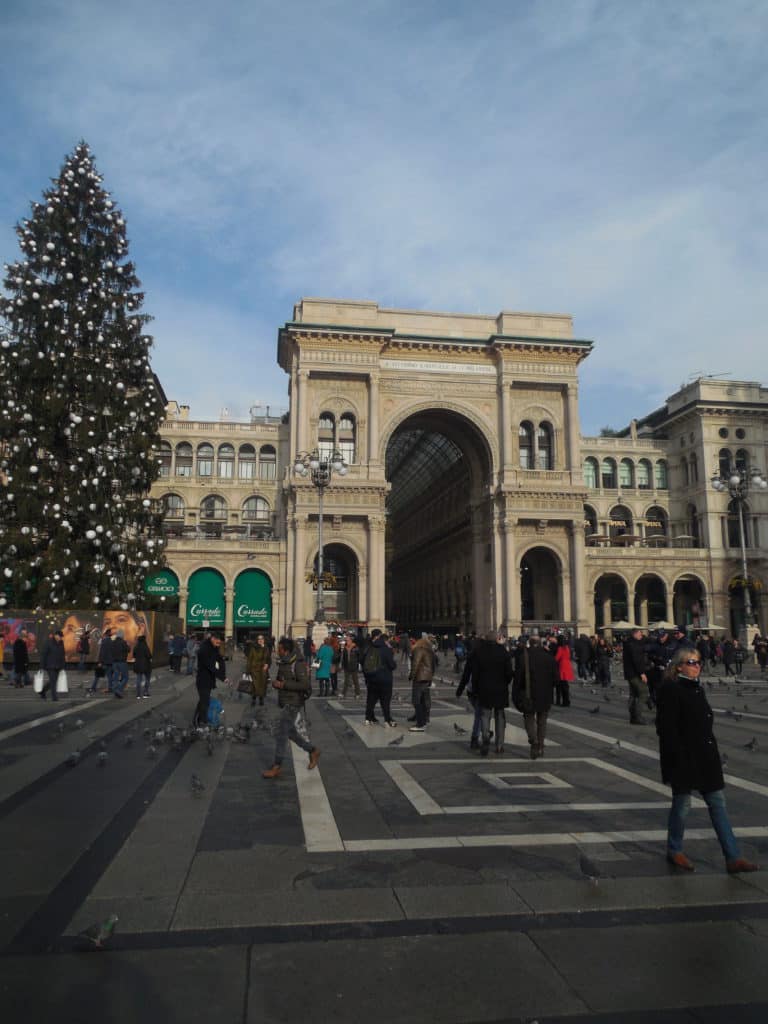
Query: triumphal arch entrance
[463, 506]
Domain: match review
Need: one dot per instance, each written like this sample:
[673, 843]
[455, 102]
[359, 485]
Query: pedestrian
[210, 667]
[193, 646]
[635, 666]
[178, 650]
[460, 653]
[565, 671]
[536, 679]
[378, 665]
[420, 675]
[404, 644]
[335, 664]
[350, 665]
[729, 657]
[142, 666]
[20, 653]
[120, 664]
[257, 667]
[52, 661]
[323, 661]
[738, 656]
[83, 649]
[583, 651]
[761, 649]
[292, 684]
[603, 656]
[490, 669]
[691, 761]
[107, 659]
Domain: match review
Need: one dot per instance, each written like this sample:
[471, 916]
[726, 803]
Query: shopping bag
[39, 681]
[61, 682]
[246, 684]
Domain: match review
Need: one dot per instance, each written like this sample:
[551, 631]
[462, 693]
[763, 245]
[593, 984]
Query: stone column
[183, 595]
[373, 416]
[302, 412]
[643, 605]
[564, 579]
[299, 612]
[574, 441]
[480, 596]
[362, 594]
[670, 595]
[578, 566]
[229, 601]
[276, 627]
[376, 572]
[511, 579]
[508, 437]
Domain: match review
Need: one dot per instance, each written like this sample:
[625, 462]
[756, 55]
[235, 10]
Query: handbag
[39, 681]
[246, 683]
[61, 682]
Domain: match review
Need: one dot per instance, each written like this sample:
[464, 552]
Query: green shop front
[252, 605]
[206, 601]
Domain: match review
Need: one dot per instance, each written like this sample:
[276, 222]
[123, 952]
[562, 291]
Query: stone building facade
[471, 498]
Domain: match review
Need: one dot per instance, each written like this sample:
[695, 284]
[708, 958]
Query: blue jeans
[715, 801]
[291, 725]
[142, 682]
[119, 676]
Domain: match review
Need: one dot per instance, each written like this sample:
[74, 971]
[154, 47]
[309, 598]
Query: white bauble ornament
[90, 534]
[96, 600]
[33, 469]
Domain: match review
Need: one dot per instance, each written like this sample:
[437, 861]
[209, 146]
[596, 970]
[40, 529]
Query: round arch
[488, 444]
[689, 599]
[650, 605]
[252, 605]
[611, 596]
[206, 601]
[541, 587]
[341, 590]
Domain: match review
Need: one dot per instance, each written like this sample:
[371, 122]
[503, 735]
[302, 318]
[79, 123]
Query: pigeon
[396, 742]
[595, 710]
[79, 723]
[128, 739]
[101, 758]
[102, 745]
[197, 785]
[151, 751]
[616, 748]
[588, 868]
[74, 759]
[607, 699]
[60, 728]
[752, 745]
[459, 730]
[96, 937]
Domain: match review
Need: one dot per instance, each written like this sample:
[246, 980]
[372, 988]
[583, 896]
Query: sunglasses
[692, 661]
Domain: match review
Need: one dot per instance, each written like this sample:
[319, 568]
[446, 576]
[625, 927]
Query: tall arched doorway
[650, 600]
[252, 606]
[541, 597]
[690, 601]
[206, 603]
[341, 590]
[611, 600]
[438, 560]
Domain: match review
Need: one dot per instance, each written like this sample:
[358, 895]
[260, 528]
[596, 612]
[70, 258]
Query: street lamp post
[738, 482]
[320, 467]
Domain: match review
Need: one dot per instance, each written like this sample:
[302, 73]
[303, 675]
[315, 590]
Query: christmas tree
[79, 406]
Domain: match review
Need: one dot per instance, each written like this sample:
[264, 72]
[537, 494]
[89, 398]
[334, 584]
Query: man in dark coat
[690, 759]
[292, 684]
[635, 666]
[210, 667]
[52, 661]
[20, 673]
[378, 664]
[582, 648]
[538, 673]
[490, 668]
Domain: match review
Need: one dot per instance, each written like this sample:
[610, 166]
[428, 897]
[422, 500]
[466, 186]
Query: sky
[602, 159]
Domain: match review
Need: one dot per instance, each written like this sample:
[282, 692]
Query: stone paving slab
[436, 901]
[412, 980]
[136, 914]
[660, 966]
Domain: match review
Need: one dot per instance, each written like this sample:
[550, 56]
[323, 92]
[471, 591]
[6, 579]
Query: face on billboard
[131, 623]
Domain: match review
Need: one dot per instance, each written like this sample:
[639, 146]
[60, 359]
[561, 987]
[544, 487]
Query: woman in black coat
[142, 666]
[690, 759]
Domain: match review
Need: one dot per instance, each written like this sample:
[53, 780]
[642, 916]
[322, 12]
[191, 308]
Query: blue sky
[604, 159]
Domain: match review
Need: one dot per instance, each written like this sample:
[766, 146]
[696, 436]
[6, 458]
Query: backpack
[459, 650]
[371, 661]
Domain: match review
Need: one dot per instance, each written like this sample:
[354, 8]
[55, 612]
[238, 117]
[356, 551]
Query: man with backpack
[378, 666]
[292, 684]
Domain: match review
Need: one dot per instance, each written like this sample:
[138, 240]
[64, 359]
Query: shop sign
[205, 604]
[253, 599]
[164, 582]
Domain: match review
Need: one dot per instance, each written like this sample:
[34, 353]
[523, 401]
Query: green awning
[205, 603]
[164, 582]
[253, 599]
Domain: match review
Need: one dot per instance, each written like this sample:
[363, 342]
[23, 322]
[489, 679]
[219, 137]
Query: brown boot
[272, 773]
[740, 865]
[679, 860]
[314, 757]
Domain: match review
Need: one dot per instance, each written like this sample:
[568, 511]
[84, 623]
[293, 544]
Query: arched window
[742, 461]
[183, 459]
[693, 525]
[590, 473]
[545, 455]
[656, 522]
[326, 434]
[525, 440]
[724, 462]
[267, 462]
[347, 437]
[590, 521]
[626, 473]
[733, 526]
[662, 480]
[246, 462]
[226, 461]
[608, 474]
[644, 475]
[205, 460]
[173, 505]
[684, 468]
[165, 458]
[620, 522]
[255, 510]
[214, 507]
[694, 464]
